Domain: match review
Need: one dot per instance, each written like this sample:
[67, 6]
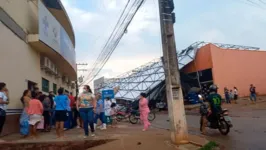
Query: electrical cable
[122, 32]
[99, 58]
[95, 63]
[105, 54]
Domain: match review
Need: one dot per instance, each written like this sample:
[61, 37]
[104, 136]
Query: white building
[37, 49]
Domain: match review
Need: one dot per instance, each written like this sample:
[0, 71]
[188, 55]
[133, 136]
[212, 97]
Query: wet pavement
[248, 132]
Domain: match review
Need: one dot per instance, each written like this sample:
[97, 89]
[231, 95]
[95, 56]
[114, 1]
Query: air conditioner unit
[55, 71]
[58, 75]
[45, 63]
[52, 67]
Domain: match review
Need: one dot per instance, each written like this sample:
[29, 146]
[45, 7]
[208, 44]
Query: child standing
[113, 115]
[231, 95]
[107, 110]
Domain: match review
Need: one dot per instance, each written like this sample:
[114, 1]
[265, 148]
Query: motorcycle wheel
[133, 119]
[151, 116]
[119, 117]
[224, 127]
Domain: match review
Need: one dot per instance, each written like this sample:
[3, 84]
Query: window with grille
[54, 88]
[45, 85]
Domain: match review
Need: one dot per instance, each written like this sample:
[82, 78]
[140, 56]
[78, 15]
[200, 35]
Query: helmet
[213, 88]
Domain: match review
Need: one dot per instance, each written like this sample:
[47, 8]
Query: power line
[103, 49]
[114, 38]
[262, 2]
[247, 2]
[254, 3]
[138, 5]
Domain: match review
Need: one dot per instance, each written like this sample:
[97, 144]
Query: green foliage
[209, 146]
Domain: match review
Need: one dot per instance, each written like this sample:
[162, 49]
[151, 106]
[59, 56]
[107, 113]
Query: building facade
[228, 67]
[37, 45]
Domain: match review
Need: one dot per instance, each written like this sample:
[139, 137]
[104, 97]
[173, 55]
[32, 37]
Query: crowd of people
[64, 111]
[232, 94]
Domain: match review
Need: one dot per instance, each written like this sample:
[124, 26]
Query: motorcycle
[223, 124]
[135, 116]
[123, 113]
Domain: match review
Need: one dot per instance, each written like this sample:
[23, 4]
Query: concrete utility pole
[179, 133]
[76, 82]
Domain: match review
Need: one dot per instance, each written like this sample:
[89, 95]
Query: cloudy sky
[228, 21]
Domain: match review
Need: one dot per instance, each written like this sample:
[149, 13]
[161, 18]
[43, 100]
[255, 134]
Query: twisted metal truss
[139, 80]
[148, 76]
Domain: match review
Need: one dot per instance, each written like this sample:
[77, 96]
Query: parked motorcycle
[123, 113]
[135, 116]
[223, 124]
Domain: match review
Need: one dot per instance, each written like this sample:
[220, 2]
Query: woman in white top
[235, 94]
[3, 104]
[107, 110]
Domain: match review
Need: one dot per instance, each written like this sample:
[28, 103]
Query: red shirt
[72, 101]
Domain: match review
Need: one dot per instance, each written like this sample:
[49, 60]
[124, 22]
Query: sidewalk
[126, 136]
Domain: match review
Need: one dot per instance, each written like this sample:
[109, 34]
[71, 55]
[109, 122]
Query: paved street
[126, 136]
[248, 133]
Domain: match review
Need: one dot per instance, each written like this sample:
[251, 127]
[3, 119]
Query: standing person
[68, 122]
[253, 96]
[24, 118]
[86, 105]
[99, 114]
[35, 90]
[231, 95]
[235, 94]
[107, 110]
[35, 111]
[73, 110]
[113, 114]
[144, 111]
[204, 115]
[52, 111]
[77, 115]
[227, 96]
[46, 113]
[4, 101]
[61, 114]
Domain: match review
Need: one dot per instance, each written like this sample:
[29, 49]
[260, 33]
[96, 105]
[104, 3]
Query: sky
[237, 22]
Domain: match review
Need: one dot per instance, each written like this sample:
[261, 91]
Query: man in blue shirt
[99, 113]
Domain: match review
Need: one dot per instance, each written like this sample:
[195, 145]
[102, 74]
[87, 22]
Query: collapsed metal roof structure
[147, 77]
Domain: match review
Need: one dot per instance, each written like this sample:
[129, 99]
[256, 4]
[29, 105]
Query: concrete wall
[239, 68]
[26, 18]
[18, 63]
[202, 61]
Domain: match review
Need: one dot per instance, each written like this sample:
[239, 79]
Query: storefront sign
[108, 93]
[55, 36]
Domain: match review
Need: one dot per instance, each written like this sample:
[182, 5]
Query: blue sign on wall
[66, 48]
[54, 35]
[108, 93]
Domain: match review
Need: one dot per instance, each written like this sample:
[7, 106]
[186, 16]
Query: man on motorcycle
[215, 101]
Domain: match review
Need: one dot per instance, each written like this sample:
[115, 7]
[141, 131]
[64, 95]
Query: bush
[209, 146]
